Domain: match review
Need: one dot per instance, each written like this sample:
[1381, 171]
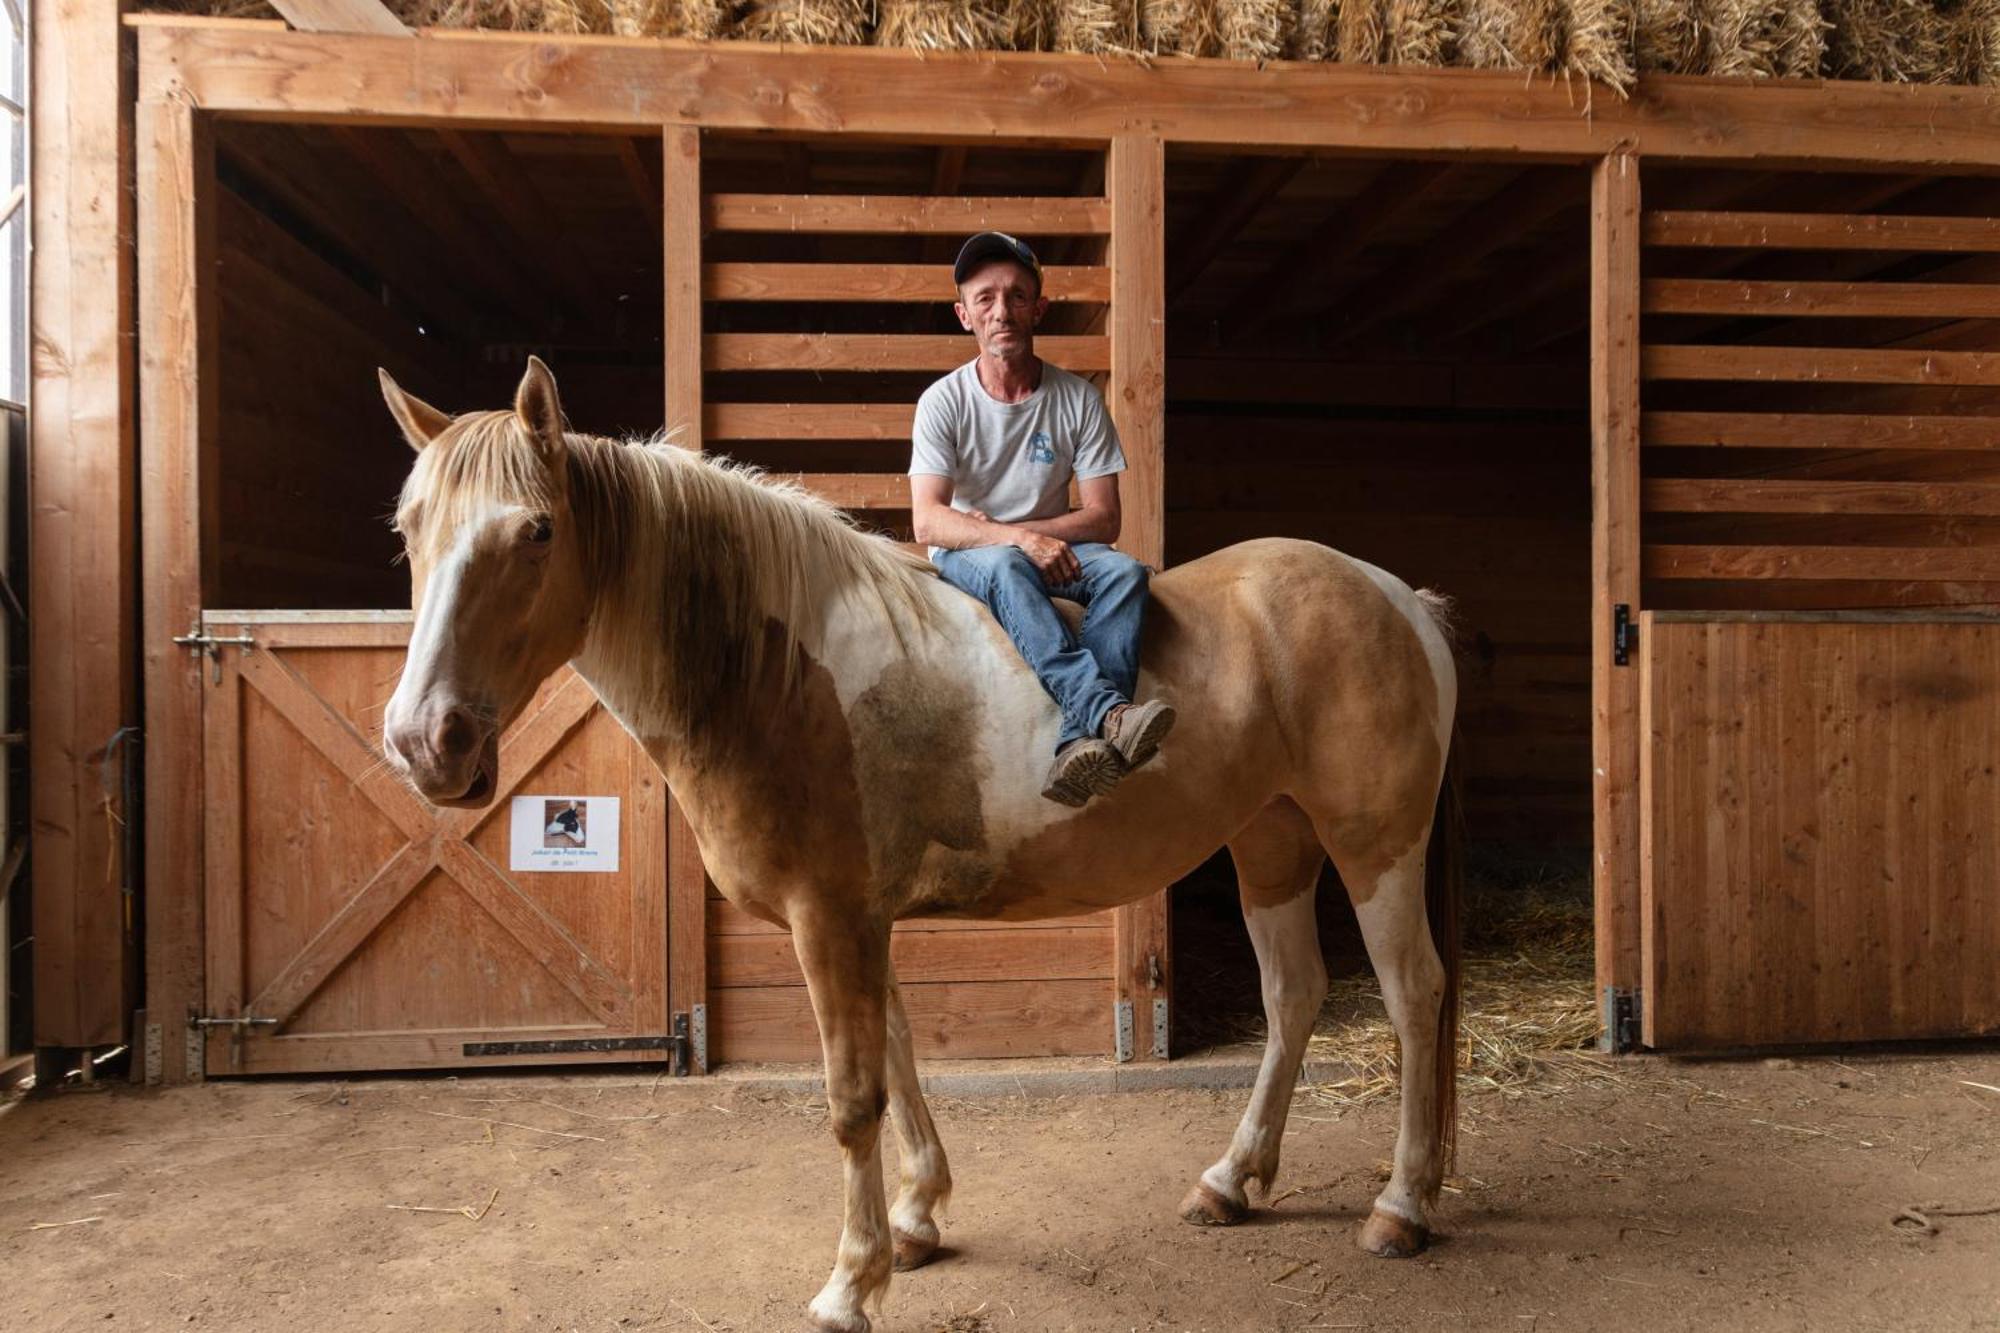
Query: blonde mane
[705, 571]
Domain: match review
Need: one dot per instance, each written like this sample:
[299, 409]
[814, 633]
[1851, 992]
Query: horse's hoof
[1387, 1236]
[857, 1323]
[1206, 1206]
[912, 1251]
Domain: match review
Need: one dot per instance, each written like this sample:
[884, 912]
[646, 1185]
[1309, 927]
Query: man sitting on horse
[994, 447]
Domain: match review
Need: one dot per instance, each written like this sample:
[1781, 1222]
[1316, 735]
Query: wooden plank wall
[1822, 840]
[1823, 405]
[1483, 503]
[83, 592]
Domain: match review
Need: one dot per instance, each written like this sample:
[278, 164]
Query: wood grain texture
[1823, 831]
[634, 85]
[928, 284]
[681, 236]
[1974, 563]
[1820, 365]
[82, 595]
[1721, 296]
[1750, 496]
[176, 404]
[1068, 953]
[882, 351]
[1821, 231]
[928, 214]
[810, 421]
[370, 16]
[1819, 430]
[1614, 560]
[948, 1020]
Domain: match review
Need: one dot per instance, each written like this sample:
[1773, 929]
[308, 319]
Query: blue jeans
[1087, 674]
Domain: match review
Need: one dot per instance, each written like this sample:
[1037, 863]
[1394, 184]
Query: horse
[854, 742]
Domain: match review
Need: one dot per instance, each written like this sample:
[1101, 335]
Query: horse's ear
[421, 422]
[535, 402]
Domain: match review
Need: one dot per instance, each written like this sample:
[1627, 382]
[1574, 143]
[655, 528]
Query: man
[995, 445]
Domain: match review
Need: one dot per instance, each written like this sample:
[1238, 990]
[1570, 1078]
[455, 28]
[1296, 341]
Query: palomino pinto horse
[855, 742]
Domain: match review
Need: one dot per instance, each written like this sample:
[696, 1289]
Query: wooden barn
[1687, 396]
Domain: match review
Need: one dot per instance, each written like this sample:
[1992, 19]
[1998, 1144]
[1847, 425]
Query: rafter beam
[1308, 265]
[510, 189]
[1228, 209]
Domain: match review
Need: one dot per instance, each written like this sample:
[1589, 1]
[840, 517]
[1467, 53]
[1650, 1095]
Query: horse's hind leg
[1396, 928]
[926, 1177]
[1277, 865]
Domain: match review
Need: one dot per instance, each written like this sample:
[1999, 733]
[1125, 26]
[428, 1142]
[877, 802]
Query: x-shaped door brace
[435, 841]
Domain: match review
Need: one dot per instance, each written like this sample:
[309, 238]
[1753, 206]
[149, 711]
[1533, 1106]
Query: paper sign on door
[564, 833]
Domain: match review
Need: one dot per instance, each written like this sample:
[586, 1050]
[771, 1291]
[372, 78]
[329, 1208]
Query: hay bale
[640, 18]
[1316, 34]
[1764, 38]
[1597, 42]
[1095, 27]
[1361, 32]
[1513, 34]
[1031, 25]
[944, 25]
[1900, 41]
[1179, 27]
[815, 22]
[1972, 42]
[1669, 37]
[1257, 30]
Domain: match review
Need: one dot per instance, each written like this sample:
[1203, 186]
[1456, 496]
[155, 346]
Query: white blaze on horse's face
[496, 583]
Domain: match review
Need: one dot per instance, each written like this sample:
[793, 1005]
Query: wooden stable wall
[195, 75]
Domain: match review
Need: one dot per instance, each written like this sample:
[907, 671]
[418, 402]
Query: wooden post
[1136, 183]
[1614, 561]
[178, 420]
[82, 607]
[680, 228]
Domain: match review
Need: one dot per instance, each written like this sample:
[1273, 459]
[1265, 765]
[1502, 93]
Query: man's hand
[1052, 556]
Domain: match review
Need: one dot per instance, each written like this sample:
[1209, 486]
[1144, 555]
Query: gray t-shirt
[1013, 461]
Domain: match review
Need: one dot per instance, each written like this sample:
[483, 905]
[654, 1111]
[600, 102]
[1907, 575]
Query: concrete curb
[1031, 1078]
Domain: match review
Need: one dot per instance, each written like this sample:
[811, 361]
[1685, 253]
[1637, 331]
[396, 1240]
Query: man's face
[1000, 307]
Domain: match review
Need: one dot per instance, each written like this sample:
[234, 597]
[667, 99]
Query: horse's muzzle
[448, 757]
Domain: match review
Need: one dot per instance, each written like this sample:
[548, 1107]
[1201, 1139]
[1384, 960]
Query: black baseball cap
[988, 246]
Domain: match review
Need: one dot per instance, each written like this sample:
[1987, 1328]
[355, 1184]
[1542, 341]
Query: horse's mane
[703, 568]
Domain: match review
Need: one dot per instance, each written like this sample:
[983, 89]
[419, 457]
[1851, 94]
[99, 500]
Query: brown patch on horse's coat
[919, 765]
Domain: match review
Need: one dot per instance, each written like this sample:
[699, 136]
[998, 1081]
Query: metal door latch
[211, 644]
[239, 1023]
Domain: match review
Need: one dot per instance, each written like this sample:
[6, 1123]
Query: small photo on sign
[567, 824]
[563, 833]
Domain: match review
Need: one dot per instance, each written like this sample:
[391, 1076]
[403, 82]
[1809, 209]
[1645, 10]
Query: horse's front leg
[845, 957]
[926, 1177]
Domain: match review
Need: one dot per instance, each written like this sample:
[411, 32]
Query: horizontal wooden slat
[883, 351]
[1821, 231]
[857, 490]
[879, 282]
[1726, 296]
[930, 955]
[808, 421]
[1977, 563]
[1733, 496]
[1818, 430]
[918, 214]
[1830, 365]
[726, 918]
[947, 1019]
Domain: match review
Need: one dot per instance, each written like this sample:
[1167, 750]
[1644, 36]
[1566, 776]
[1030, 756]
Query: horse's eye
[541, 533]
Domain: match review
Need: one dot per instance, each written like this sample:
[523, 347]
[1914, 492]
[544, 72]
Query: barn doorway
[1392, 357]
[348, 925]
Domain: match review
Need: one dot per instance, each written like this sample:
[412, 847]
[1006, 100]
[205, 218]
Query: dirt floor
[1750, 1195]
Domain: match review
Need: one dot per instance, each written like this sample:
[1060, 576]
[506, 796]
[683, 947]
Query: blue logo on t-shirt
[1040, 448]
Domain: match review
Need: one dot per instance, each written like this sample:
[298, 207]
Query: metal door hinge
[211, 645]
[1121, 1048]
[1159, 1029]
[1622, 1015]
[1624, 635]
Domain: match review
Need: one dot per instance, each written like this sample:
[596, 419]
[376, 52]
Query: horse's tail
[1444, 890]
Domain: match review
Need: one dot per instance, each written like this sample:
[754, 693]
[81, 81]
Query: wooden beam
[369, 16]
[1819, 430]
[915, 214]
[1614, 564]
[928, 284]
[1820, 365]
[177, 404]
[632, 86]
[1687, 495]
[882, 351]
[680, 203]
[1249, 185]
[809, 421]
[1823, 231]
[1136, 183]
[1976, 563]
[82, 596]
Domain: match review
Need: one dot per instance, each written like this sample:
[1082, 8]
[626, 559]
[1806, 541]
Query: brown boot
[1135, 730]
[1083, 769]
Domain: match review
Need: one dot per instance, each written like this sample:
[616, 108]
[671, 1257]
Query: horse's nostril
[453, 733]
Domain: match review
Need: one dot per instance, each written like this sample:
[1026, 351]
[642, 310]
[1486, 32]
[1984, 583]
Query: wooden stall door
[1820, 828]
[380, 932]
